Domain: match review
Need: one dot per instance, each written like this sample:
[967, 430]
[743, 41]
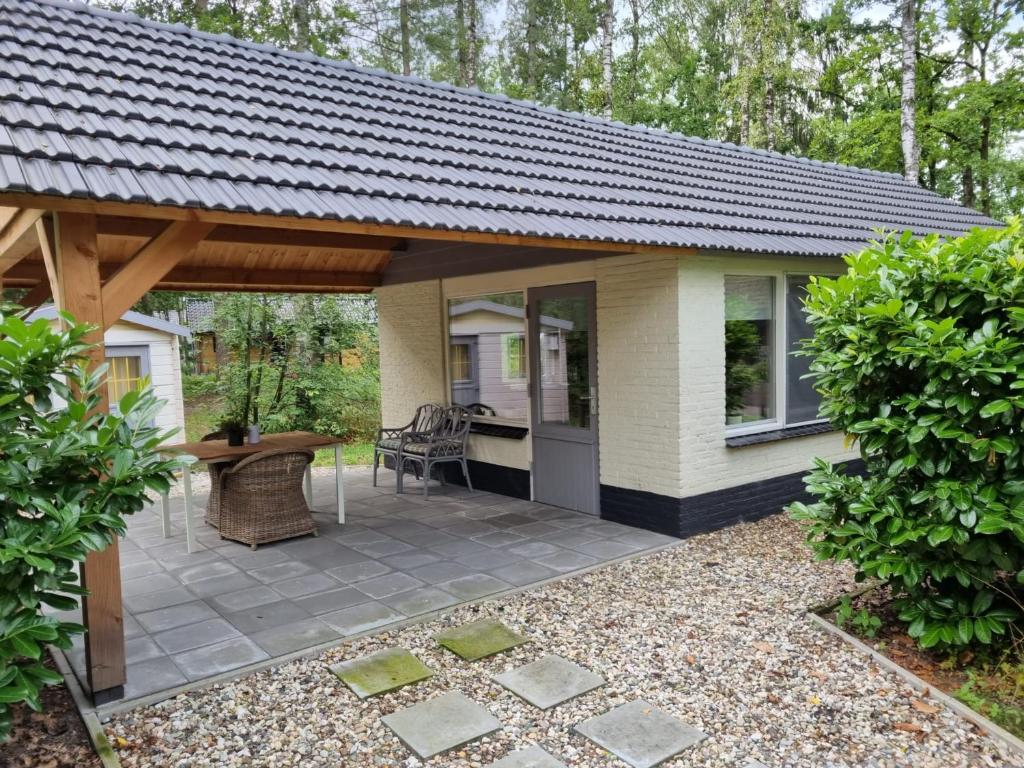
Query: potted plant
[234, 428]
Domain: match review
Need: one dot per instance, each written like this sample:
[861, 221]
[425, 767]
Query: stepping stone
[479, 639]
[381, 672]
[531, 757]
[640, 734]
[549, 681]
[440, 724]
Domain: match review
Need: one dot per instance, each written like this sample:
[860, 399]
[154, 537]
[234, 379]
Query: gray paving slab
[131, 627]
[441, 571]
[487, 559]
[474, 587]
[222, 657]
[531, 757]
[415, 602]
[441, 724]
[500, 539]
[479, 639]
[243, 599]
[382, 548]
[567, 561]
[151, 601]
[380, 672]
[549, 681]
[537, 530]
[152, 675]
[192, 636]
[154, 582]
[509, 520]
[294, 636]
[175, 616]
[220, 585]
[524, 572]
[209, 570]
[407, 561]
[361, 618]
[141, 648]
[288, 569]
[532, 549]
[331, 600]
[262, 617]
[390, 584]
[142, 567]
[356, 572]
[340, 556]
[607, 549]
[640, 734]
[305, 585]
[248, 560]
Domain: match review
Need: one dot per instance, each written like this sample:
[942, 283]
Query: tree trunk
[634, 60]
[403, 22]
[769, 111]
[531, 49]
[471, 43]
[908, 98]
[967, 182]
[300, 14]
[461, 49]
[768, 56]
[608, 29]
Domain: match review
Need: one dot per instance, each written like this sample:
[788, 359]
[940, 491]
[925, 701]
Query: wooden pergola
[97, 259]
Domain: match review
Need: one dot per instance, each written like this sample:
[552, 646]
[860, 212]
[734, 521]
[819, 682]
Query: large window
[487, 354]
[764, 324]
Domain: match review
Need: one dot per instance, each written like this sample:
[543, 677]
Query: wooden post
[78, 276]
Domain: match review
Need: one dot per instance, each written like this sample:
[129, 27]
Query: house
[138, 156]
[137, 347]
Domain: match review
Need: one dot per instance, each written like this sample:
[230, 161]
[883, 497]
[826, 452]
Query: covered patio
[224, 608]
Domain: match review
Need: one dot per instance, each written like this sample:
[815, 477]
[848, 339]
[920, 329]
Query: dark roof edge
[78, 5]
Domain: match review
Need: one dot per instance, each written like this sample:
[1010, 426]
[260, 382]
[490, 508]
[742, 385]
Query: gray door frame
[549, 433]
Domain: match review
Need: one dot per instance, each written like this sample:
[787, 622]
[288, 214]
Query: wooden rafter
[44, 233]
[17, 238]
[150, 265]
[143, 210]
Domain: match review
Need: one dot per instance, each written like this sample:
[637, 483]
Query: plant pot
[254, 434]
[236, 436]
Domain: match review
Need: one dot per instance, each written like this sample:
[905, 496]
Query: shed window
[125, 375]
[764, 326]
[514, 356]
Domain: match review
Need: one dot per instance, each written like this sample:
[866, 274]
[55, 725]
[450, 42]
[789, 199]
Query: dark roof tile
[112, 107]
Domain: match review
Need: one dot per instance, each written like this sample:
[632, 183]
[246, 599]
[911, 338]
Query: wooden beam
[81, 294]
[44, 233]
[144, 210]
[231, 279]
[37, 295]
[17, 240]
[149, 265]
[121, 226]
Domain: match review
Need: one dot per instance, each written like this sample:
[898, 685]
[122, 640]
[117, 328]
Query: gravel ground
[712, 630]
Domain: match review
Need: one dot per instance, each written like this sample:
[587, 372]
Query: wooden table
[217, 451]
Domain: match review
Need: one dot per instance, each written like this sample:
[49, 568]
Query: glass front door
[564, 395]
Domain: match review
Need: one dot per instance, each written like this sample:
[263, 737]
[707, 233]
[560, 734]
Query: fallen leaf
[764, 647]
[773, 699]
[908, 727]
[921, 706]
[691, 659]
[813, 700]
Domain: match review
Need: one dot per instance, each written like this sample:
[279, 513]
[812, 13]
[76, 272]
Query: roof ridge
[83, 6]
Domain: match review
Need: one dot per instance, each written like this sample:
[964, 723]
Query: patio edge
[97, 735]
[105, 712]
[988, 729]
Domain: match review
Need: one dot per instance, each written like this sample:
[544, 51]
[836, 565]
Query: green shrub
[67, 479]
[198, 385]
[918, 352]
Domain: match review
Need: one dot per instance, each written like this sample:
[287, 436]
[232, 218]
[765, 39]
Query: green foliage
[918, 352]
[744, 368]
[195, 385]
[68, 478]
[861, 620]
[996, 691]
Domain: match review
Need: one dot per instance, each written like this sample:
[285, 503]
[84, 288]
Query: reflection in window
[514, 356]
[802, 401]
[462, 368]
[487, 354]
[749, 337]
[564, 354]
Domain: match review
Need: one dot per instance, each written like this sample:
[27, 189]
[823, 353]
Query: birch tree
[908, 99]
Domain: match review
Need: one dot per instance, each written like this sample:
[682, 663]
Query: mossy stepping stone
[381, 672]
[479, 639]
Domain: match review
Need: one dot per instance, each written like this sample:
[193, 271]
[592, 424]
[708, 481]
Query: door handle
[593, 401]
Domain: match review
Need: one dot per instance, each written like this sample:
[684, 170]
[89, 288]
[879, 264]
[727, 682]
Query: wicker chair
[261, 498]
[445, 443]
[389, 439]
[213, 502]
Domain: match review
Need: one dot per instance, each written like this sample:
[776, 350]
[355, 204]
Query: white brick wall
[411, 349]
[638, 372]
[707, 464]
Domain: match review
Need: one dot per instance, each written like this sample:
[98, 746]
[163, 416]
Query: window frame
[779, 355]
[140, 351]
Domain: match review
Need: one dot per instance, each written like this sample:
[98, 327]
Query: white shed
[137, 346]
